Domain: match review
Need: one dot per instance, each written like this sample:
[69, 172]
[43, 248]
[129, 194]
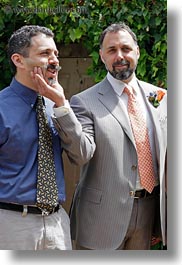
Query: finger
[43, 87]
[32, 75]
[40, 72]
[40, 80]
[35, 69]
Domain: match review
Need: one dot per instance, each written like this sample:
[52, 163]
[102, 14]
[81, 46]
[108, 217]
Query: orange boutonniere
[156, 97]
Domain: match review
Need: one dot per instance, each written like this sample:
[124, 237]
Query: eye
[45, 53]
[112, 50]
[126, 49]
[58, 57]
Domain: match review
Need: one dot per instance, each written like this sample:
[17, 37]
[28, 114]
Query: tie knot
[39, 98]
[39, 103]
[128, 91]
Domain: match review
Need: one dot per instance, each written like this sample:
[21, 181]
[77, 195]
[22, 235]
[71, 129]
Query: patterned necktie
[140, 132]
[47, 191]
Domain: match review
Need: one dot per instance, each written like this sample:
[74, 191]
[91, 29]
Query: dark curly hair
[20, 41]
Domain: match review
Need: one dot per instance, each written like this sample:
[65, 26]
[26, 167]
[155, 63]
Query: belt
[25, 209]
[144, 194]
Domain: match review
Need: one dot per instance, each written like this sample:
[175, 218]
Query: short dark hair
[115, 28]
[20, 40]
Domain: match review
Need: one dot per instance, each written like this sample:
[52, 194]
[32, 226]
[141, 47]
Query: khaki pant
[34, 232]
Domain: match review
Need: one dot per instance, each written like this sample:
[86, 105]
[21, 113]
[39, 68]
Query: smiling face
[41, 53]
[120, 53]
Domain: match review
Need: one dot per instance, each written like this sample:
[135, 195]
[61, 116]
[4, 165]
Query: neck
[26, 81]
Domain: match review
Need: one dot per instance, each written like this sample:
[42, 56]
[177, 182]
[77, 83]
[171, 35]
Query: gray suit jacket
[99, 138]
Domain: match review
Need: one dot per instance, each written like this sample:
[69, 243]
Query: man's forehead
[42, 39]
[114, 38]
[42, 42]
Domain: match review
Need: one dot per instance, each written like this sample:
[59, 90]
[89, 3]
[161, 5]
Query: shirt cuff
[63, 110]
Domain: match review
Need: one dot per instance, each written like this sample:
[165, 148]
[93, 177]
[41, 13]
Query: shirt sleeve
[63, 110]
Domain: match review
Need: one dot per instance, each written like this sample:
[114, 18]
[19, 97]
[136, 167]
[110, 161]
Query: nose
[53, 59]
[119, 54]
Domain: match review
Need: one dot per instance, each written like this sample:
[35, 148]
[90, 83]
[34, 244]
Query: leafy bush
[82, 21]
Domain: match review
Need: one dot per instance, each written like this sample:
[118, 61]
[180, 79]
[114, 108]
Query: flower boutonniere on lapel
[155, 97]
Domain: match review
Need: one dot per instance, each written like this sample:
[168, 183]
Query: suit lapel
[154, 114]
[111, 101]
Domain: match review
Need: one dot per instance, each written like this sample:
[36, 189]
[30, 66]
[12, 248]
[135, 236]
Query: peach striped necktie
[140, 132]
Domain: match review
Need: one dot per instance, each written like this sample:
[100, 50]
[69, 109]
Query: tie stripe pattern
[47, 191]
[140, 132]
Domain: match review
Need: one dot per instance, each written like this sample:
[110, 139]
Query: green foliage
[83, 21]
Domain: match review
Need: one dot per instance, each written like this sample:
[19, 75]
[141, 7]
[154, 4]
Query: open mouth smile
[53, 68]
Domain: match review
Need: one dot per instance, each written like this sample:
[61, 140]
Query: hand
[54, 92]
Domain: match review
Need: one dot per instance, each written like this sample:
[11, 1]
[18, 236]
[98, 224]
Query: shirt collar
[25, 93]
[119, 86]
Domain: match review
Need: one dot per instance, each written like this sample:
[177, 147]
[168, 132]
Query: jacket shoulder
[93, 89]
[150, 87]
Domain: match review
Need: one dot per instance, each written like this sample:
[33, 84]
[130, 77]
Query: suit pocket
[90, 195]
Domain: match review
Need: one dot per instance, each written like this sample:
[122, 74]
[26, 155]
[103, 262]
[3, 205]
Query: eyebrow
[47, 49]
[122, 46]
[110, 47]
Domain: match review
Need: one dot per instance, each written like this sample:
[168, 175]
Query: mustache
[118, 63]
[52, 67]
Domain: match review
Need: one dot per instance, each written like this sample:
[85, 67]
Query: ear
[101, 56]
[17, 60]
[138, 52]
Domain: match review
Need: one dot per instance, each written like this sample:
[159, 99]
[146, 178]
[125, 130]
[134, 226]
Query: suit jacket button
[132, 193]
[134, 167]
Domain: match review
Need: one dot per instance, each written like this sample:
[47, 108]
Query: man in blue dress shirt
[23, 225]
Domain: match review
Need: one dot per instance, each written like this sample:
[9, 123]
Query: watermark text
[48, 10]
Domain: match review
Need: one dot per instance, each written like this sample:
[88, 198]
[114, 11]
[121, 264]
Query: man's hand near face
[52, 91]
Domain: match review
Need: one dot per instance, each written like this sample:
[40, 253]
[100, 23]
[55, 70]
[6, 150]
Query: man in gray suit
[111, 209]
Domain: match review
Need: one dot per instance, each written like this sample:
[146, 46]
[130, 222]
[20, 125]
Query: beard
[122, 74]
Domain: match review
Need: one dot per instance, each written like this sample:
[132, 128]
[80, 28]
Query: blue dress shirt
[19, 145]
